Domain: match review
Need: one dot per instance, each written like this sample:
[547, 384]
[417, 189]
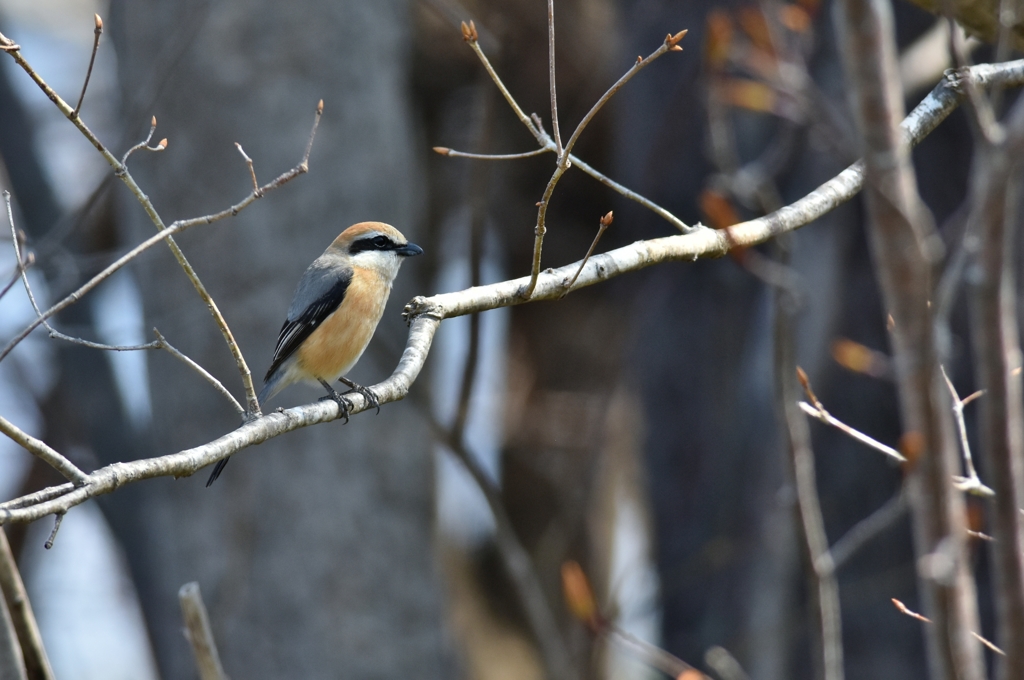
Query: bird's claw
[344, 405]
[372, 400]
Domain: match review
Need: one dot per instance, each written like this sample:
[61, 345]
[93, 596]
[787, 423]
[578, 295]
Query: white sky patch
[463, 513]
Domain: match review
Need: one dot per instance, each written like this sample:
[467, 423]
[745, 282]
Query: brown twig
[540, 229]
[92, 60]
[37, 664]
[551, 77]
[445, 151]
[605, 222]
[903, 609]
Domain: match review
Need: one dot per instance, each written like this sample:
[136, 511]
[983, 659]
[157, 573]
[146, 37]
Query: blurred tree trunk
[314, 550]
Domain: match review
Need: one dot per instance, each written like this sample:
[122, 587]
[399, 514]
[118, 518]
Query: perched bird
[335, 310]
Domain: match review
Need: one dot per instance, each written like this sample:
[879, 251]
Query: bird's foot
[371, 398]
[344, 405]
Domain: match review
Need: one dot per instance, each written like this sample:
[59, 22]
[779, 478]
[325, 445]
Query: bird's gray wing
[320, 291]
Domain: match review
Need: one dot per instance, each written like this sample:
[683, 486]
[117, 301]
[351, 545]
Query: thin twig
[445, 151]
[633, 196]
[92, 60]
[516, 559]
[252, 171]
[37, 664]
[540, 229]
[671, 44]
[23, 262]
[469, 34]
[605, 222]
[867, 529]
[903, 609]
[161, 343]
[35, 305]
[58, 518]
[827, 418]
[551, 77]
[971, 483]
[163, 234]
[144, 144]
[121, 171]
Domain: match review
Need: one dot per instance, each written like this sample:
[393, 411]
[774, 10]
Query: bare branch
[633, 196]
[540, 229]
[827, 418]
[121, 171]
[670, 45]
[866, 529]
[199, 633]
[174, 228]
[470, 36]
[37, 664]
[92, 60]
[425, 314]
[144, 144]
[605, 222]
[551, 77]
[445, 151]
[43, 452]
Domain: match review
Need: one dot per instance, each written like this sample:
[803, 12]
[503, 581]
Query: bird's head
[376, 246]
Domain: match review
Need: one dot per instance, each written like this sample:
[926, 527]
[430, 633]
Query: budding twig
[445, 151]
[92, 60]
[605, 222]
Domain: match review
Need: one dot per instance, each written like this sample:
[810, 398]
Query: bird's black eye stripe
[379, 242]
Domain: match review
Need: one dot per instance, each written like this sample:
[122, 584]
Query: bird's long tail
[217, 469]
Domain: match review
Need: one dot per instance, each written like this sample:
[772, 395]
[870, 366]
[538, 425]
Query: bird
[335, 310]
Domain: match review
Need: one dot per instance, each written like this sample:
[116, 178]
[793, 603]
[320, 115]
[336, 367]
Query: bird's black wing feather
[294, 331]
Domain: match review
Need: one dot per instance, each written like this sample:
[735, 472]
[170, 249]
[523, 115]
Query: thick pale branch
[425, 314]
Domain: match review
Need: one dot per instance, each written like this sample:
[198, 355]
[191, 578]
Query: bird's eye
[380, 242]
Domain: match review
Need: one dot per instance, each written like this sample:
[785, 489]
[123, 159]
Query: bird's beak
[409, 249]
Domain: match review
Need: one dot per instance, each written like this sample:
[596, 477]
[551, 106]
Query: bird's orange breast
[333, 349]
